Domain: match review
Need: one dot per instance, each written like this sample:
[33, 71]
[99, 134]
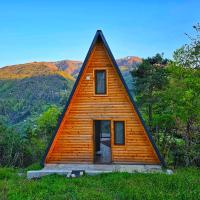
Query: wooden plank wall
[74, 140]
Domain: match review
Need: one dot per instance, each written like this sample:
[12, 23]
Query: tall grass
[183, 184]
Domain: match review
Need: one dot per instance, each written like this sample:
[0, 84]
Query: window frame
[95, 80]
[124, 131]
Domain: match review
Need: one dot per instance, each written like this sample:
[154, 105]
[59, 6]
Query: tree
[169, 95]
[150, 76]
[178, 115]
[40, 135]
[12, 148]
[46, 122]
[189, 54]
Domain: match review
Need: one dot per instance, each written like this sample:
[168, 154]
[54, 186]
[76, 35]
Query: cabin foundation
[92, 169]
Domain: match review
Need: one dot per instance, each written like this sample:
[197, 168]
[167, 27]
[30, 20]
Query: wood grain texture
[74, 140]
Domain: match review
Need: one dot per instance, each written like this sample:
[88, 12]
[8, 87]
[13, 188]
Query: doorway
[102, 141]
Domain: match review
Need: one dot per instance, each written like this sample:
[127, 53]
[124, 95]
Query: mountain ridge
[67, 68]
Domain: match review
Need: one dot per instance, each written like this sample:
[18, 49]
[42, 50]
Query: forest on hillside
[167, 93]
[23, 100]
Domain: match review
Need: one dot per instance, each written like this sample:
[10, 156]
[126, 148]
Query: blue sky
[32, 30]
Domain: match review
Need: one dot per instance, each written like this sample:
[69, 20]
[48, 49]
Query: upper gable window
[100, 82]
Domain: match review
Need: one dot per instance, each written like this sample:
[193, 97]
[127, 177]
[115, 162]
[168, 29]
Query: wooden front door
[102, 141]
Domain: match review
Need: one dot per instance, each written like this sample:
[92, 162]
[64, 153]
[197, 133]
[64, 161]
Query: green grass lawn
[183, 184]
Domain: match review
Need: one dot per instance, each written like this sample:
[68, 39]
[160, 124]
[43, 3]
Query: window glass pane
[100, 82]
[105, 129]
[119, 132]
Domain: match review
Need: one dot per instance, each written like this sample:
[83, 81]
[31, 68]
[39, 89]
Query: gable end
[99, 35]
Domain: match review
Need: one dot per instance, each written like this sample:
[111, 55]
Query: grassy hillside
[32, 69]
[184, 185]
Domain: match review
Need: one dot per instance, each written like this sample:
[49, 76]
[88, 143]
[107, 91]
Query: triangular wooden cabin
[101, 122]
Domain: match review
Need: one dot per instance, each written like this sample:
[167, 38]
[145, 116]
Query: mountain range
[27, 90]
[67, 68]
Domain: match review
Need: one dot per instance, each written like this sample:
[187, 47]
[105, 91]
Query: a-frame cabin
[101, 122]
